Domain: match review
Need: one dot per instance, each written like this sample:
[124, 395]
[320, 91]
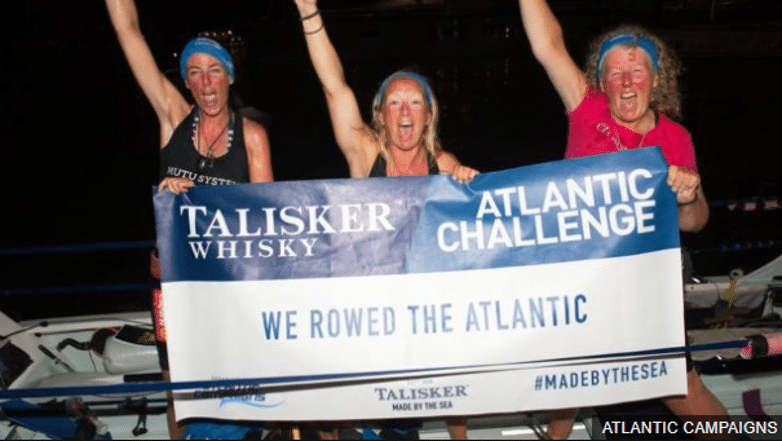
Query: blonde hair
[431, 135]
[666, 97]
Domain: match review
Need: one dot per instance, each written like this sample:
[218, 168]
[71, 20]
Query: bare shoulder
[255, 135]
[256, 142]
[446, 161]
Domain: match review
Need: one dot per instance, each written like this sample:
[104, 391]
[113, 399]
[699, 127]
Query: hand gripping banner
[550, 286]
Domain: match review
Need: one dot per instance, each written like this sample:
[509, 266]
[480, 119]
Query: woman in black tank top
[206, 143]
[401, 140]
[207, 130]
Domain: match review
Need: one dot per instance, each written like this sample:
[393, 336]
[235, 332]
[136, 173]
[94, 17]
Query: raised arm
[354, 137]
[548, 45]
[168, 103]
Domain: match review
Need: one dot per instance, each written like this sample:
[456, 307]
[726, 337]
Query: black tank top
[179, 158]
[379, 167]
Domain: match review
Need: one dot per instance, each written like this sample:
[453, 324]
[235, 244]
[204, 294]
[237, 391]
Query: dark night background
[80, 155]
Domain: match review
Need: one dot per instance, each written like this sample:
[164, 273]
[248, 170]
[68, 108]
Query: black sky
[80, 149]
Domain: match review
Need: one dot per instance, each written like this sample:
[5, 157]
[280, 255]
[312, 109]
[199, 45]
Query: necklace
[639, 143]
[613, 134]
[208, 160]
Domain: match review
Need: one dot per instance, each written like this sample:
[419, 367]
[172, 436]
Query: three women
[625, 99]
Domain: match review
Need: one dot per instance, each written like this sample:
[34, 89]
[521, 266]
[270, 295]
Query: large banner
[550, 286]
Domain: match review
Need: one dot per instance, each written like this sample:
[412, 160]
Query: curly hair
[431, 133]
[666, 97]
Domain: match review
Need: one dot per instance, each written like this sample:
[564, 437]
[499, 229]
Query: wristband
[307, 17]
[315, 31]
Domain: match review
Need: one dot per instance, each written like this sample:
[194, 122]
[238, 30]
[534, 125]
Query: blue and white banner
[550, 286]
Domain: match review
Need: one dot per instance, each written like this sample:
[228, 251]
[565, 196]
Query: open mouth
[209, 98]
[628, 101]
[406, 131]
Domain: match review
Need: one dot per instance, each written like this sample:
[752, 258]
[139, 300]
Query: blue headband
[203, 45]
[644, 43]
[420, 79]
